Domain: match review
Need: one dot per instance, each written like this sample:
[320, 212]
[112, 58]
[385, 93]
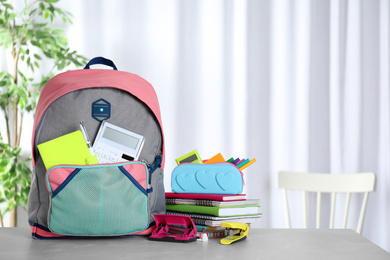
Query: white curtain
[299, 85]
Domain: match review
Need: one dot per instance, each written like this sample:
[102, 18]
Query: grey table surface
[17, 243]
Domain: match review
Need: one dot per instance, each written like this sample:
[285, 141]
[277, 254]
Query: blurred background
[299, 85]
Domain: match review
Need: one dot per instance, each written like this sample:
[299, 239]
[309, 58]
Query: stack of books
[212, 210]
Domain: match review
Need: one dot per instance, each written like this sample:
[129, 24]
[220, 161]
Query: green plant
[29, 37]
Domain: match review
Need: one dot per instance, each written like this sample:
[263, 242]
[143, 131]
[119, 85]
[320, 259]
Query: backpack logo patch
[101, 110]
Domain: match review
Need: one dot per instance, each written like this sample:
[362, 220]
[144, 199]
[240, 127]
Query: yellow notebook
[67, 149]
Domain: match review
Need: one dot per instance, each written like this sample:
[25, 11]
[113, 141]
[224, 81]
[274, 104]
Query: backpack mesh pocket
[99, 200]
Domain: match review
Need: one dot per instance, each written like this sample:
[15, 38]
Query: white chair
[327, 183]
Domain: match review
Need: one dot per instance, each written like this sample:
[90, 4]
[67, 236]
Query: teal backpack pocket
[98, 200]
[217, 178]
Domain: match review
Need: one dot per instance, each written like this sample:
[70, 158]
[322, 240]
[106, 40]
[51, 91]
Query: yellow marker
[247, 164]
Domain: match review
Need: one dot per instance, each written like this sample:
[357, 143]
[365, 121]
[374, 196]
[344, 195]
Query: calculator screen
[120, 138]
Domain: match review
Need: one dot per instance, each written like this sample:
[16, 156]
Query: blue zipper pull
[157, 164]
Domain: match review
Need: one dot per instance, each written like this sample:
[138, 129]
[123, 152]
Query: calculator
[115, 144]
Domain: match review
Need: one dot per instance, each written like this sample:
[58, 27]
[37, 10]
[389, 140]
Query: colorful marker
[247, 164]
[230, 160]
[240, 161]
[236, 161]
[243, 163]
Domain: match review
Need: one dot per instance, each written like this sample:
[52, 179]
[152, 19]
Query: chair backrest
[327, 183]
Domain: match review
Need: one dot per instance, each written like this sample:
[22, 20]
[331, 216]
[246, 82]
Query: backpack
[110, 199]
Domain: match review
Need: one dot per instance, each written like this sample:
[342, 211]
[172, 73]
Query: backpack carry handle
[100, 60]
